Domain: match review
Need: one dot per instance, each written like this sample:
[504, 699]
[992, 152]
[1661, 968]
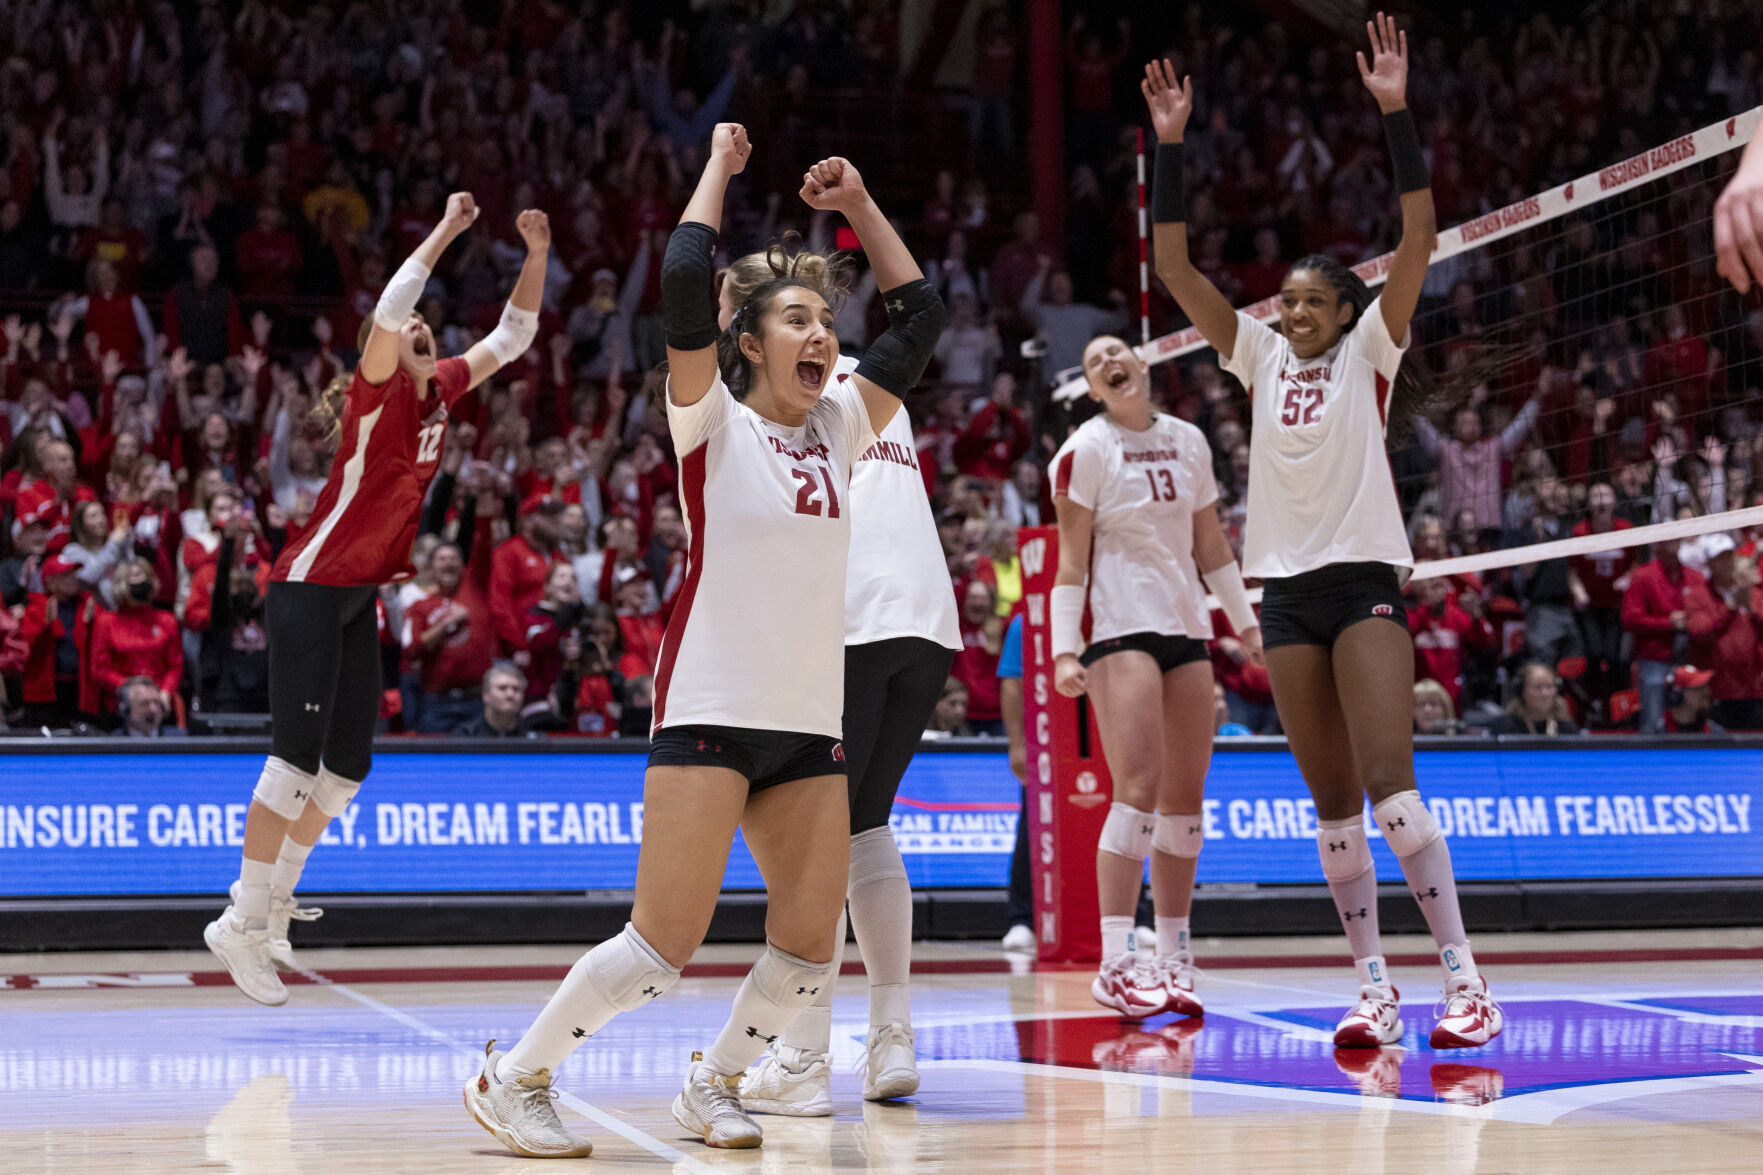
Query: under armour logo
[1420, 895]
[579, 1033]
[299, 795]
[651, 992]
[1337, 846]
[312, 707]
[1194, 829]
[1397, 823]
[1147, 829]
[807, 991]
[754, 1032]
[896, 305]
[1349, 915]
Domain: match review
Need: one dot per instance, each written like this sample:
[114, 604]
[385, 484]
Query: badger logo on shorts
[1381, 610]
[838, 752]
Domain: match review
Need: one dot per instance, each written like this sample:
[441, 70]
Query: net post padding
[1066, 792]
[1727, 135]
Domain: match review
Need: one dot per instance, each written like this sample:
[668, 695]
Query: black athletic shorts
[1170, 652]
[765, 757]
[1316, 607]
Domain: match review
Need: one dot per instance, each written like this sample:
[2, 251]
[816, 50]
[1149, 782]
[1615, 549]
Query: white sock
[1434, 886]
[778, 987]
[1457, 962]
[288, 866]
[1117, 935]
[1172, 936]
[812, 1029]
[620, 974]
[1373, 972]
[253, 904]
[880, 897]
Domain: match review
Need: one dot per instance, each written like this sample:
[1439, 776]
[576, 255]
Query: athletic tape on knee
[1179, 834]
[628, 971]
[787, 981]
[283, 788]
[1406, 823]
[1128, 832]
[874, 857]
[332, 792]
[1341, 844]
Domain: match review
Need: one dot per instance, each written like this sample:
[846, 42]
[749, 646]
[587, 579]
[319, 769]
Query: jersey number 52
[1311, 407]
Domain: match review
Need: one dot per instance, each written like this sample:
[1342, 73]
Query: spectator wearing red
[1443, 627]
[976, 665]
[57, 626]
[114, 240]
[1262, 276]
[639, 621]
[451, 638]
[1599, 580]
[1726, 633]
[200, 547]
[136, 640]
[118, 319]
[1677, 364]
[233, 659]
[1248, 696]
[517, 573]
[1654, 611]
[548, 622]
[49, 499]
[590, 666]
[201, 315]
[1690, 713]
[995, 437]
[268, 257]
[666, 558]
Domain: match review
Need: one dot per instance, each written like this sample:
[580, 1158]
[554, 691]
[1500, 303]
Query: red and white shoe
[1376, 1020]
[1471, 1016]
[1467, 1085]
[1129, 987]
[1178, 973]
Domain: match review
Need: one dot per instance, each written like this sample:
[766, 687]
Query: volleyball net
[1587, 328]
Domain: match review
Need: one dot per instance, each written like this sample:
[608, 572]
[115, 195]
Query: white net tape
[1573, 196]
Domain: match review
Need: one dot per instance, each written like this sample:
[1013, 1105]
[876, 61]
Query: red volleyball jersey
[365, 522]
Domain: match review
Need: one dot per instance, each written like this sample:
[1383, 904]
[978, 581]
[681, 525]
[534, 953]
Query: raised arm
[520, 318]
[688, 309]
[894, 362]
[1387, 79]
[379, 358]
[1199, 299]
[1738, 221]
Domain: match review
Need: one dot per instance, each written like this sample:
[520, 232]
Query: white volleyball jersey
[1142, 489]
[898, 581]
[1320, 486]
[756, 639]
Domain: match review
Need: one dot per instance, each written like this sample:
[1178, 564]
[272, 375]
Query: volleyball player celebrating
[1325, 535]
[900, 639]
[1136, 501]
[749, 688]
[324, 653]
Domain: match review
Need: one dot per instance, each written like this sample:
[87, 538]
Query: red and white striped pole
[1144, 246]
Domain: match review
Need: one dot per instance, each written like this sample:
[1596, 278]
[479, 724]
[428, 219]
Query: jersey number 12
[807, 498]
[428, 443]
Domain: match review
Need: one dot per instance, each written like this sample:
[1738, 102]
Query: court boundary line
[588, 1110]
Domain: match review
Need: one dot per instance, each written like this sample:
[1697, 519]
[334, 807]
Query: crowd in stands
[199, 204]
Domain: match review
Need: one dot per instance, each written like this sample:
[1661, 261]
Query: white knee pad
[333, 792]
[875, 857]
[629, 972]
[1179, 834]
[1128, 832]
[790, 982]
[284, 789]
[1406, 823]
[1341, 844]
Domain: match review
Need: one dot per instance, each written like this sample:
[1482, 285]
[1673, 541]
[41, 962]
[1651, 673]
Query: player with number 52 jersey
[321, 608]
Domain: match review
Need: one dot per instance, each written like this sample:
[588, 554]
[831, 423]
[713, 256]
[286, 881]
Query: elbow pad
[688, 312]
[513, 335]
[916, 318]
[401, 295]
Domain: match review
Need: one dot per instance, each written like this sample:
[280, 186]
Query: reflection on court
[1657, 1064]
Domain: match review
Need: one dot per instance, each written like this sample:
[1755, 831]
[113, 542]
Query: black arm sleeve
[434, 511]
[220, 597]
[1168, 201]
[1405, 153]
[688, 312]
[916, 318]
[467, 527]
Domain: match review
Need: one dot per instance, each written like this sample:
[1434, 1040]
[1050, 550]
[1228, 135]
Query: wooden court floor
[1623, 1052]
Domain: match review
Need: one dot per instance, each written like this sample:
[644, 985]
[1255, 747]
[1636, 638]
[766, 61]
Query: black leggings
[891, 690]
[324, 676]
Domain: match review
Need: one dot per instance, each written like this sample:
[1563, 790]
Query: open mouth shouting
[811, 373]
[420, 346]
